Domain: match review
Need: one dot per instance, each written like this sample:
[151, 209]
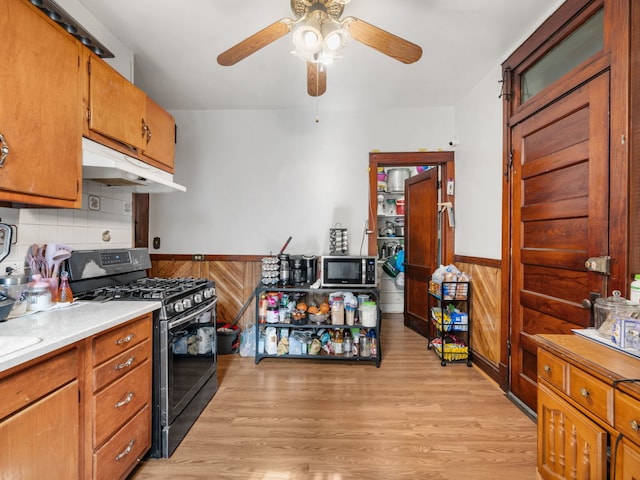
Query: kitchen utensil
[14, 287]
[396, 178]
[57, 258]
[387, 230]
[5, 234]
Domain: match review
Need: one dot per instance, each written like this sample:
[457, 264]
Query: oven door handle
[189, 317]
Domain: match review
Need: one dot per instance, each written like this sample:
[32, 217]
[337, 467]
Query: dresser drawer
[591, 393]
[628, 416]
[552, 369]
[120, 365]
[120, 339]
[125, 449]
[120, 401]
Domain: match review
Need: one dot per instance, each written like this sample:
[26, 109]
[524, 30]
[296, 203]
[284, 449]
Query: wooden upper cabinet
[41, 99]
[116, 106]
[122, 116]
[159, 147]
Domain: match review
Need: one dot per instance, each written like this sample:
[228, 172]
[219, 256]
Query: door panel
[560, 218]
[421, 246]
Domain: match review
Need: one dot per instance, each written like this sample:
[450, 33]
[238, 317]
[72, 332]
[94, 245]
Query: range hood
[107, 166]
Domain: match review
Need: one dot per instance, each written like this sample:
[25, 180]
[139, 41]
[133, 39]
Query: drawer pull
[126, 339]
[547, 369]
[584, 392]
[126, 364]
[126, 451]
[634, 426]
[126, 400]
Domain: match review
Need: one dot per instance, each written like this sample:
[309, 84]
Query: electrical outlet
[198, 258]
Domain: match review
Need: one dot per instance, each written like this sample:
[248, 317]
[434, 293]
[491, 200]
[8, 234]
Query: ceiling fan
[319, 35]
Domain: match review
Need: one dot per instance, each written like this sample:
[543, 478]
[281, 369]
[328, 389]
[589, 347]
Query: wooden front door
[422, 252]
[559, 198]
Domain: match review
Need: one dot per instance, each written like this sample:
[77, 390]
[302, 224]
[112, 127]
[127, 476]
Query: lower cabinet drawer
[117, 403]
[628, 416]
[121, 453]
[591, 393]
[120, 365]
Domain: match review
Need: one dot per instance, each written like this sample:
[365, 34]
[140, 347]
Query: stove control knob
[197, 298]
[186, 303]
[209, 293]
[178, 307]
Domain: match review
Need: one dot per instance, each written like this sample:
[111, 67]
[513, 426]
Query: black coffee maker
[309, 266]
[298, 272]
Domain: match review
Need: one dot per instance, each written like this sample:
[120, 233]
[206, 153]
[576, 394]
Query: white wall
[478, 163]
[254, 178]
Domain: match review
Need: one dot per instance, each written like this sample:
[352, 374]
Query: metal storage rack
[313, 327]
[451, 339]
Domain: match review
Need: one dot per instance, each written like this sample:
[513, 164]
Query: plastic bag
[248, 341]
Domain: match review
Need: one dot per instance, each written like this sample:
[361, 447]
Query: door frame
[444, 159]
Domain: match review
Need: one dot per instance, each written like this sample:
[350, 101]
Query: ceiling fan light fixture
[334, 35]
[307, 38]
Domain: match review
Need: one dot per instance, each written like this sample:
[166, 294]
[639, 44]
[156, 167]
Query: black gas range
[184, 349]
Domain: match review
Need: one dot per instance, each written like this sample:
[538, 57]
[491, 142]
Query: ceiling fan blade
[383, 41]
[255, 42]
[316, 79]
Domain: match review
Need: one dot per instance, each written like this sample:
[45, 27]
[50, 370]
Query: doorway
[415, 308]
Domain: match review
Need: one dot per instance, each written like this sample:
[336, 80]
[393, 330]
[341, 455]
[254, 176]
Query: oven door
[190, 360]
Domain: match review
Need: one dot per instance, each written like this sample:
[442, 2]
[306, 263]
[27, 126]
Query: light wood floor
[314, 420]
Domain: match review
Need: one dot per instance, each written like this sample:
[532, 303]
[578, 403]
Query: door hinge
[509, 165]
[508, 348]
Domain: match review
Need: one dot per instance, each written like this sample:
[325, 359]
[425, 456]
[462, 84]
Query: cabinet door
[53, 451]
[116, 106]
[40, 108]
[160, 141]
[569, 444]
[628, 462]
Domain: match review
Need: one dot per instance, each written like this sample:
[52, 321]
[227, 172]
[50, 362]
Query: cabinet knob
[584, 392]
[4, 150]
[634, 426]
[547, 369]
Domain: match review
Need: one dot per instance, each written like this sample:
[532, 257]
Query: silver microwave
[347, 271]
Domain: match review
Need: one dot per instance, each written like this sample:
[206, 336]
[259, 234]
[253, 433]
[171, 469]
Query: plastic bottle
[634, 296]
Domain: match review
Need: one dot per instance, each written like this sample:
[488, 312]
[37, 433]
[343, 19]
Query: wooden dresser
[588, 410]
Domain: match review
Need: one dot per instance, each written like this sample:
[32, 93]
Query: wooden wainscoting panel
[179, 267]
[235, 283]
[485, 310]
[235, 279]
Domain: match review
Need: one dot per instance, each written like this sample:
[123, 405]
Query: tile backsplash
[104, 221]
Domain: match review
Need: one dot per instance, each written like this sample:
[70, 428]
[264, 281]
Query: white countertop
[59, 327]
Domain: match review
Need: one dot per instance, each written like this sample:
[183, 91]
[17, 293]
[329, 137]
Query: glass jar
[337, 311]
[38, 297]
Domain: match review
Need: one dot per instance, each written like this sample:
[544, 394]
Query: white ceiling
[176, 42]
